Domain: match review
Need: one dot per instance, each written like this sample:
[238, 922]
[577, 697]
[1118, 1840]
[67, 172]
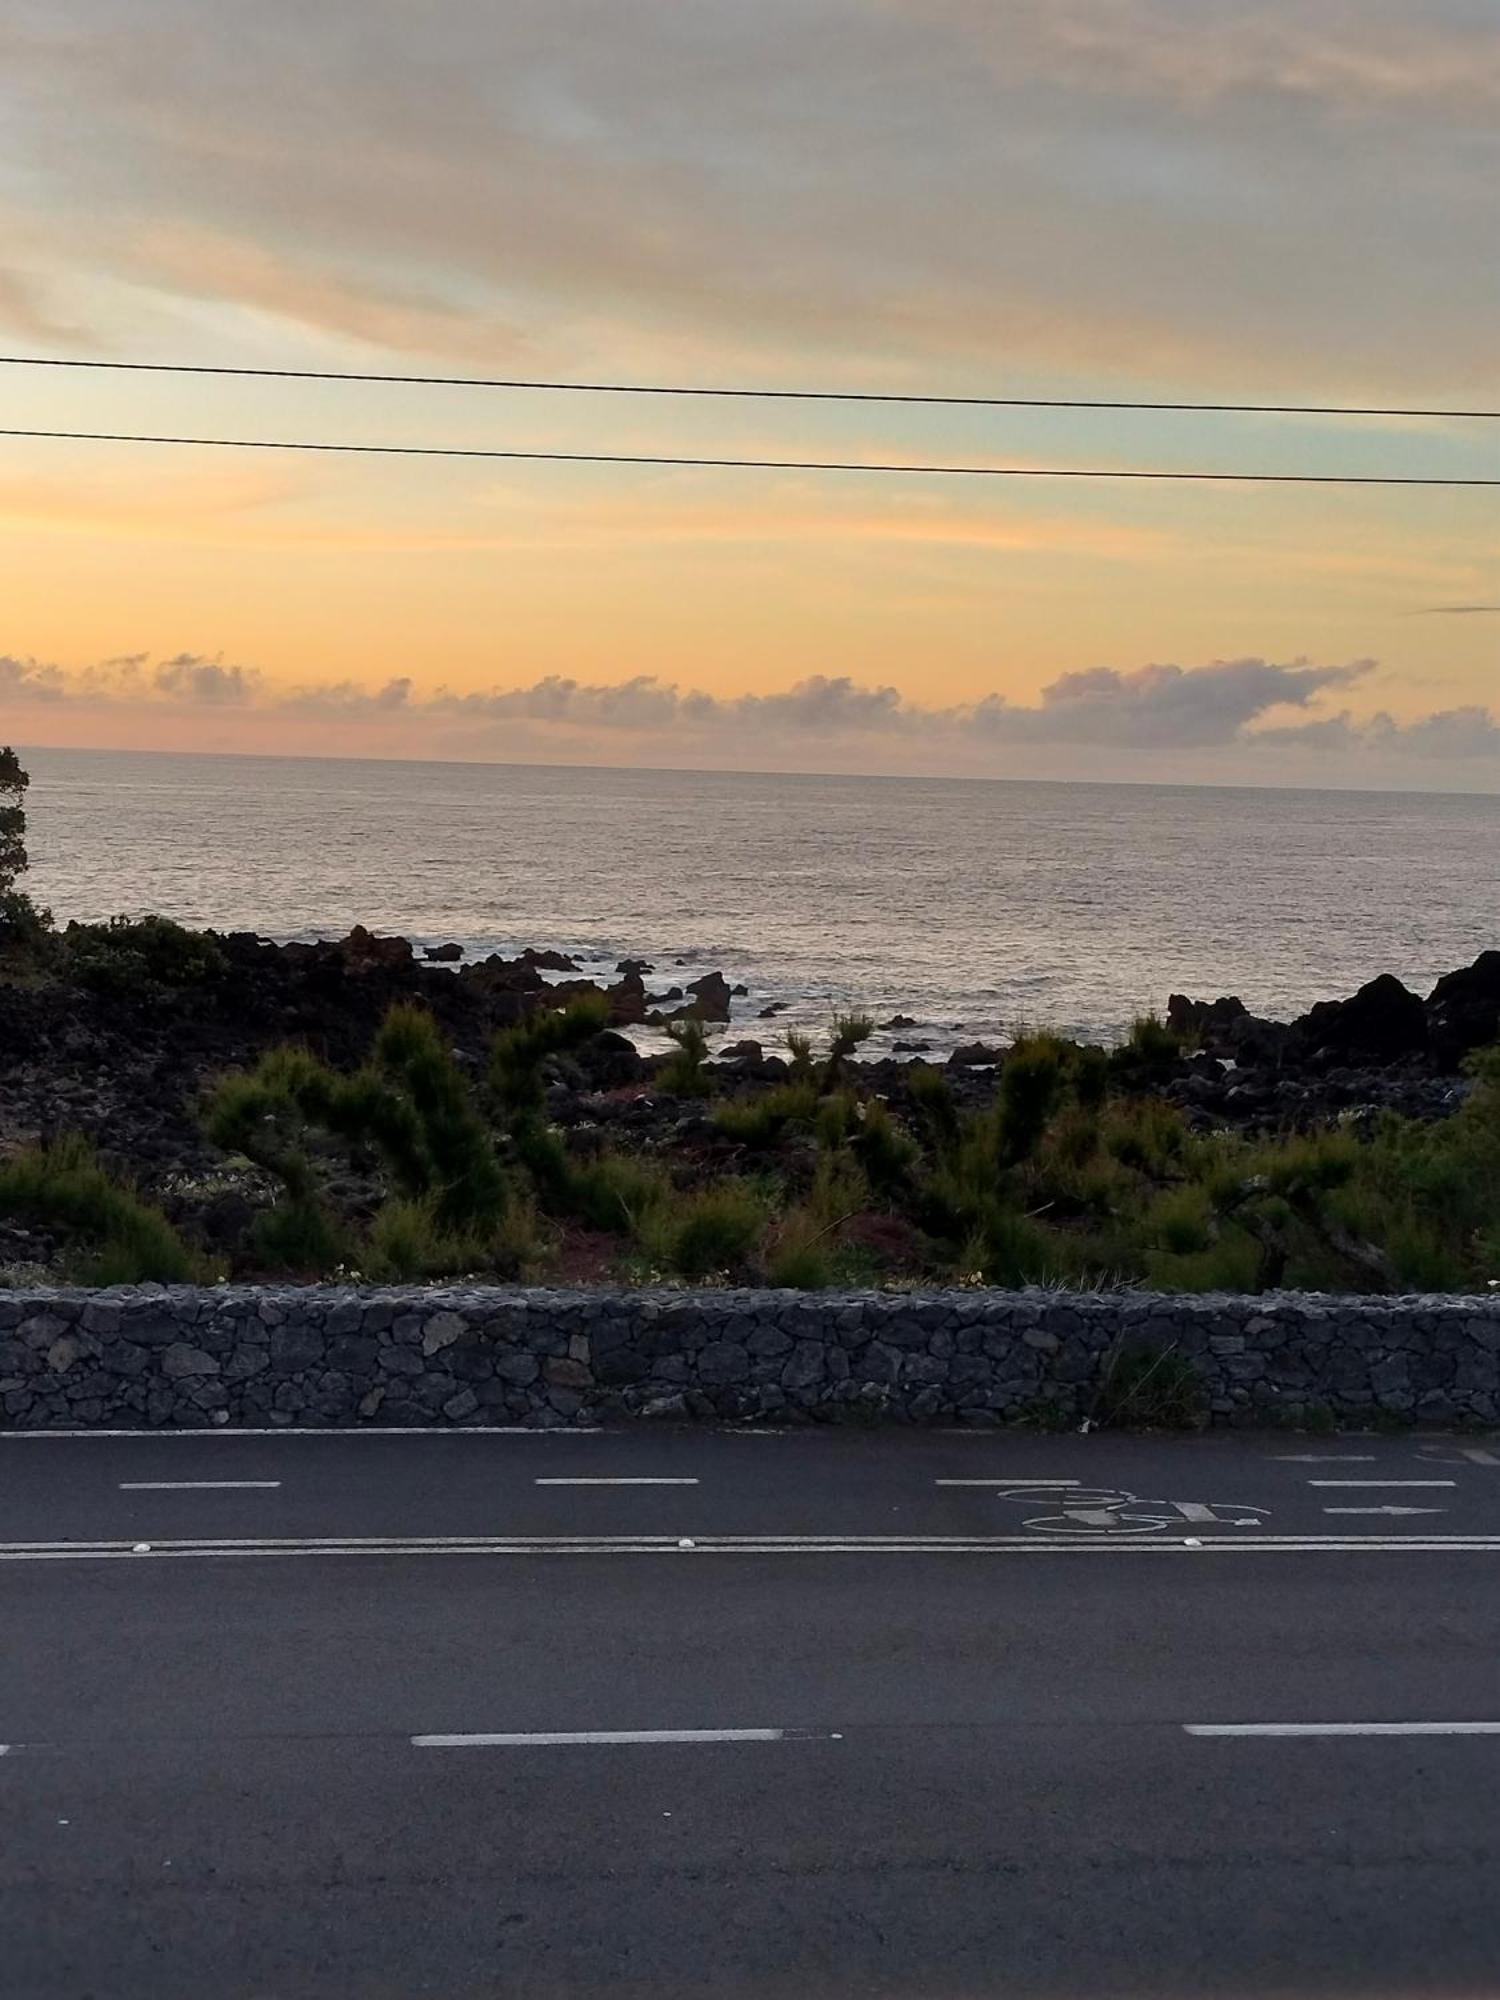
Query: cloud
[198, 682]
[1450, 733]
[28, 680]
[1161, 709]
[1163, 185]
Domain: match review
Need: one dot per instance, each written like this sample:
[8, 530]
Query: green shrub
[1232, 1263]
[845, 1036]
[1145, 1134]
[837, 1117]
[123, 1240]
[435, 1140]
[762, 1121]
[1181, 1221]
[683, 1074]
[1031, 1084]
[882, 1149]
[1090, 1077]
[932, 1100]
[618, 1194]
[799, 1053]
[407, 1243]
[299, 1235]
[128, 955]
[517, 1054]
[1151, 1042]
[1015, 1250]
[708, 1232]
[797, 1256]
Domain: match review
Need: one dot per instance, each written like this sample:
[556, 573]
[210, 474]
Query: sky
[1231, 200]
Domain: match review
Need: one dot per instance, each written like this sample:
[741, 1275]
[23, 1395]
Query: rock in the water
[364, 951]
[971, 1055]
[711, 997]
[444, 954]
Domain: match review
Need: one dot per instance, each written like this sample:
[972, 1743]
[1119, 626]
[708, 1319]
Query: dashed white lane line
[615, 1482]
[1047, 1483]
[198, 1485]
[1323, 1458]
[550, 1738]
[1382, 1482]
[1342, 1728]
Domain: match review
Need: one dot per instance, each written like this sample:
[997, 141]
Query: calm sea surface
[974, 907]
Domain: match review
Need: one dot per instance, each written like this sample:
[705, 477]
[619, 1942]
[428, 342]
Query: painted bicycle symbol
[1085, 1510]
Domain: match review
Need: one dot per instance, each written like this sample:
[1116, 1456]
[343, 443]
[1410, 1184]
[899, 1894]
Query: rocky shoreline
[123, 1055]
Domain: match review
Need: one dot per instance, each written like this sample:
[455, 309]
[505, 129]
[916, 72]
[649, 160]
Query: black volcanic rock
[1463, 1010]
[1383, 1021]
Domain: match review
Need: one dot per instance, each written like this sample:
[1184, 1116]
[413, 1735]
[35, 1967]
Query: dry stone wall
[254, 1356]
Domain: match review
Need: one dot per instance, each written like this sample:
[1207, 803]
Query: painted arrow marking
[1384, 1510]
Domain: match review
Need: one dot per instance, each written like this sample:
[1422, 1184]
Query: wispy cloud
[1112, 184]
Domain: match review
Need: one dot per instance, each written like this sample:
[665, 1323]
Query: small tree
[18, 917]
[13, 783]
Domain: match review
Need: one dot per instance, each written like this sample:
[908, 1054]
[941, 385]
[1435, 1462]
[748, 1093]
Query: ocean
[972, 907]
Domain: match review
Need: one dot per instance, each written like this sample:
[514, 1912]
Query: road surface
[776, 1715]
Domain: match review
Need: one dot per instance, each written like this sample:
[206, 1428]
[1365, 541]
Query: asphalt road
[902, 1714]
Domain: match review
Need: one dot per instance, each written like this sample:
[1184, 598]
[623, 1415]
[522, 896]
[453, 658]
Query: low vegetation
[109, 1236]
[1070, 1177]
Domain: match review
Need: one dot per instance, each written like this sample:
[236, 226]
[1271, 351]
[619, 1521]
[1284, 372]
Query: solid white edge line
[614, 1482]
[621, 1545]
[526, 1739]
[327, 1431]
[1382, 1482]
[1342, 1728]
[196, 1485]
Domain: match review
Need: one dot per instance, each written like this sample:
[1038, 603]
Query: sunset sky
[1245, 200]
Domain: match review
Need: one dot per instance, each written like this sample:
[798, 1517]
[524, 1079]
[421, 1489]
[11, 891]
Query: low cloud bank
[1248, 705]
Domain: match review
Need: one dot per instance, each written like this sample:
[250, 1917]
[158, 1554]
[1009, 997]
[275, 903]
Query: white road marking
[196, 1485]
[1083, 1542]
[1385, 1510]
[527, 1739]
[1194, 1510]
[324, 1431]
[1342, 1728]
[615, 1482]
[1323, 1458]
[1007, 1482]
[1382, 1482]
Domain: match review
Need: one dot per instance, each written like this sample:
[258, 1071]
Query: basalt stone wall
[417, 1356]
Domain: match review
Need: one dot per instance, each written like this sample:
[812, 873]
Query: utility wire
[759, 464]
[760, 395]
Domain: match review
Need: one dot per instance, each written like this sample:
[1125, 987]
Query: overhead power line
[759, 464]
[892, 396]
